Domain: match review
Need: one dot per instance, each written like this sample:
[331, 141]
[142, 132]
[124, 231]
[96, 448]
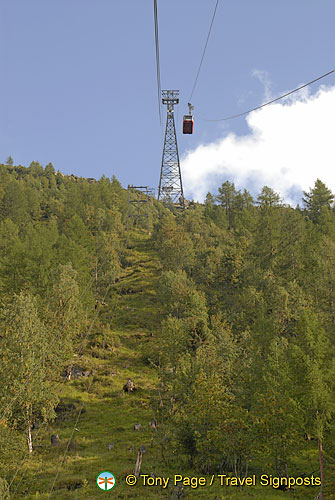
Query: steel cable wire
[204, 51]
[158, 70]
[269, 102]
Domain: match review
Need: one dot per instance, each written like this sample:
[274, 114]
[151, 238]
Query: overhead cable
[204, 51]
[270, 102]
[158, 71]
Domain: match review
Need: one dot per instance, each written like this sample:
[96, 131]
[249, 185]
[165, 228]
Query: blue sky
[78, 82]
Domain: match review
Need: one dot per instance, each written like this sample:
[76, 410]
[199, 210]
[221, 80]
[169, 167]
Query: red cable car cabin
[188, 124]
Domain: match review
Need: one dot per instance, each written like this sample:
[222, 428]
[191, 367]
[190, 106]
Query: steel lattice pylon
[170, 188]
[139, 198]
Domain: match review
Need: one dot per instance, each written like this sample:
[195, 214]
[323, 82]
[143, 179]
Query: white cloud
[289, 146]
[263, 77]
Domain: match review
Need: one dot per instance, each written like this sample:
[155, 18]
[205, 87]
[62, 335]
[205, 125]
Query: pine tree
[313, 374]
[227, 199]
[268, 198]
[317, 198]
[174, 245]
[292, 234]
[10, 161]
[277, 421]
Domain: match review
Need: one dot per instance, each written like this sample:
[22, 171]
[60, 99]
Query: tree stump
[129, 386]
[153, 424]
[54, 439]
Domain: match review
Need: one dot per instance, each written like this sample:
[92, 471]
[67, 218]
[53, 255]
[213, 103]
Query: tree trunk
[138, 464]
[96, 278]
[29, 439]
[278, 466]
[322, 470]
[28, 430]
[331, 302]
[235, 468]
[160, 399]
[246, 468]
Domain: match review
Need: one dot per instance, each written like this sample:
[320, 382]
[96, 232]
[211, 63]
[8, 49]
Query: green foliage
[180, 299]
[60, 245]
[10, 161]
[4, 493]
[65, 316]
[174, 245]
[276, 412]
[263, 373]
[268, 198]
[226, 198]
[313, 373]
[316, 199]
[225, 317]
[25, 365]
[232, 201]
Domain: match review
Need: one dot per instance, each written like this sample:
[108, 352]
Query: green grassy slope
[109, 414]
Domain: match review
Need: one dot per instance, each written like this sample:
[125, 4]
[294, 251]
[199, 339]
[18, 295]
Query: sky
[78, 89]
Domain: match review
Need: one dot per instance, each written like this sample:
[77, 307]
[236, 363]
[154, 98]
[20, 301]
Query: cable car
[188, 121]
[188, 124]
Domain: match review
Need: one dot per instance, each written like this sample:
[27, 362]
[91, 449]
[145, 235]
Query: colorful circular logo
[105, 481]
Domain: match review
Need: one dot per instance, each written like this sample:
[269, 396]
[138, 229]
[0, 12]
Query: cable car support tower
[170, 190]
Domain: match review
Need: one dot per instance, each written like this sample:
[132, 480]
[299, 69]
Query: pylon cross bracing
[170, 188]
[138, 204]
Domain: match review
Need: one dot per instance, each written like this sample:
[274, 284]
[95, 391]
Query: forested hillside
[222, 316]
